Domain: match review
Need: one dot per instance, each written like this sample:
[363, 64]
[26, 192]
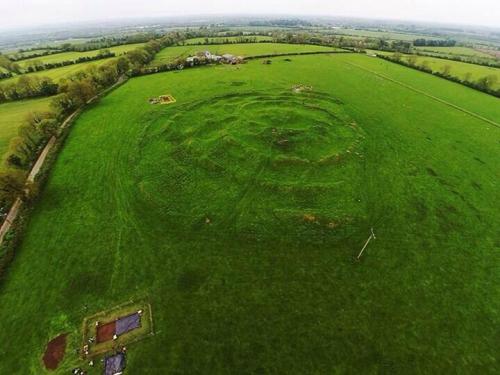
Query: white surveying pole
[372, 235]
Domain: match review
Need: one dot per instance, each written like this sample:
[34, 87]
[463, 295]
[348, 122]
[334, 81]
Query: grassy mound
[262, 157]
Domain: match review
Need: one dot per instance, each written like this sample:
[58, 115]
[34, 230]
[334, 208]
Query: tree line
[434, 42]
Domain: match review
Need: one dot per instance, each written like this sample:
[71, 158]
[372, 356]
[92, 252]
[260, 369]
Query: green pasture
[12, 116]
[232, 39]
[241, 49]
[239, 210]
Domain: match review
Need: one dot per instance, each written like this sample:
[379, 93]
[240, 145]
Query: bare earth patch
[54, 353]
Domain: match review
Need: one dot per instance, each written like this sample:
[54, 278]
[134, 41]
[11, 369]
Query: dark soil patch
[105, 332]
[54, 353]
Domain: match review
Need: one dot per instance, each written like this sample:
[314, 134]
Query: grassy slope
[244, 49]
[64, 56]
[458, 68]
[424, 299]
[12, 116]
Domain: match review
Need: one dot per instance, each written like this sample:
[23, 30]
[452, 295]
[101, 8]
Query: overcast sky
[35, 12]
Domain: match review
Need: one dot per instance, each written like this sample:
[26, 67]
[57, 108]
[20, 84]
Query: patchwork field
[12, 116]
[239, 210]
[241, 49]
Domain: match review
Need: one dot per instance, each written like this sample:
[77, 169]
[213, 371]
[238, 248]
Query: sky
[38, 12]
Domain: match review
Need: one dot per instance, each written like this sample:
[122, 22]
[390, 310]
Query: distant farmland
[244, 49]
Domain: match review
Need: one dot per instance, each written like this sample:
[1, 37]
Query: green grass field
[244, 49]
[238, 212]
[12, 116]
[458, 68]
[66, 56]
[221, 39]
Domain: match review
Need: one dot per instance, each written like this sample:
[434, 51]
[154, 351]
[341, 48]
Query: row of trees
[5, 75]
[434, 42]
[27, 87]
[226, 40]
[8, 64]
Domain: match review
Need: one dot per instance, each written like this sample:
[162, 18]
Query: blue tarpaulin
[114, 364]
[128, 323]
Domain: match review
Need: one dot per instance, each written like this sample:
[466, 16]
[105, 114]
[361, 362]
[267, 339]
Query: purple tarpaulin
[128, 323]
[114, 364]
